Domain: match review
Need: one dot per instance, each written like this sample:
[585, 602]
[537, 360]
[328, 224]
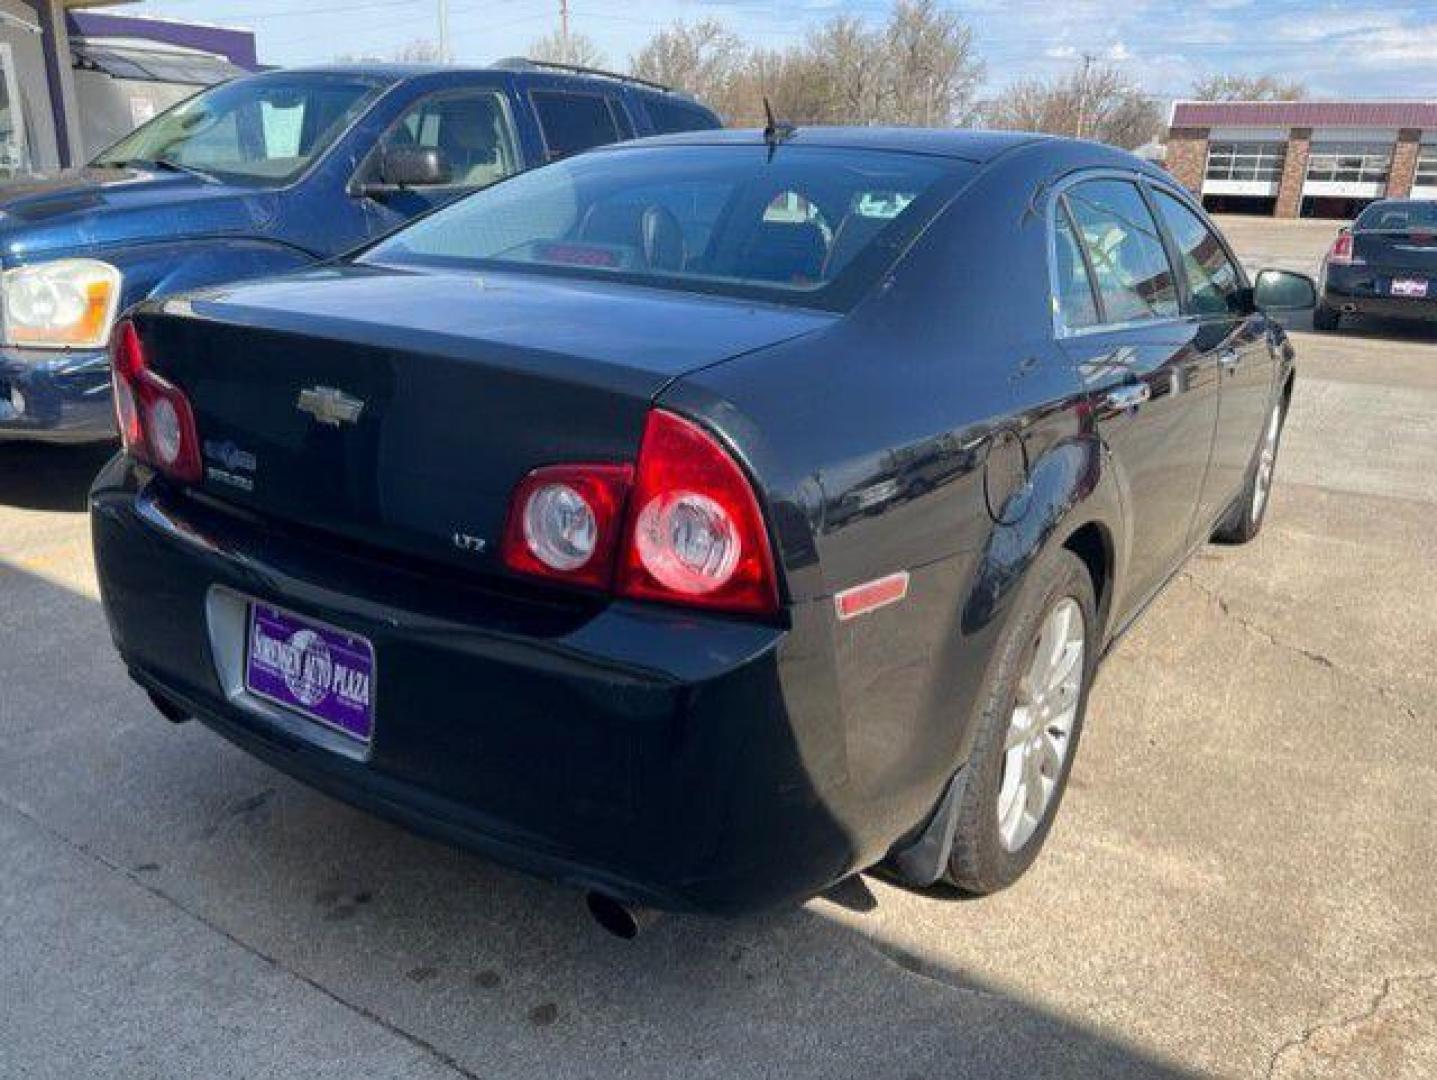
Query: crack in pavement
[1364, 1014]
[1387, 693]
[100, 859]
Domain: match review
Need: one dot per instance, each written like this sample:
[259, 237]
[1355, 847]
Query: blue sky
[1358, 48]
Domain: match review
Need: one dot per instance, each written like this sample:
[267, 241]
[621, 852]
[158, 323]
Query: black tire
[979, 863]
[1326, 319]
[1245, 517]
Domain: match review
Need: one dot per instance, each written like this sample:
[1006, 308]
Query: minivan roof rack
[523, 63]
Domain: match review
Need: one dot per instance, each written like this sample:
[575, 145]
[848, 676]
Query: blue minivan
[265, 175]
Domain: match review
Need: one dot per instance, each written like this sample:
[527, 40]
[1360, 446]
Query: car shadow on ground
[1401, 330]
[489, 969]
[34, 476]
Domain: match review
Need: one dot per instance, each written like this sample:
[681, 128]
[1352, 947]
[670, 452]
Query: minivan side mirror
[404, 167]
[1282, 290]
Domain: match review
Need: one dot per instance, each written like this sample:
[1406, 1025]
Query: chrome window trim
[1060, 330]
[1145, 183]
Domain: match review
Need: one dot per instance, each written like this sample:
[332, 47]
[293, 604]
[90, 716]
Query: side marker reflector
[871, 595]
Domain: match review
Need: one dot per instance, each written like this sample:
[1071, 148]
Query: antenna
[775, 131]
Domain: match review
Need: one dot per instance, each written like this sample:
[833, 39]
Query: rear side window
[1129, 262]
[1073, 287]
[575, 122]
[1215, 282]
[671, 116]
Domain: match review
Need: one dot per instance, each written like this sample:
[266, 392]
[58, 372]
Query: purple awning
[238, 46]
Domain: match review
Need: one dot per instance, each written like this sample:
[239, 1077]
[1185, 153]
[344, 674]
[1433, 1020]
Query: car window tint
[574, 122]
[1398, 217]
[699, 218]
[1128, 259]
[1073, 288]
[471, 131]
[1215, 282]
[668, 116]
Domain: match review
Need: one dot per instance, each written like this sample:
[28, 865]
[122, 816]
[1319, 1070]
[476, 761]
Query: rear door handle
[1229, 359]
[1128, 397]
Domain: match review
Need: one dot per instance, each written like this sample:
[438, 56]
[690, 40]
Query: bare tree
[934, 66]
[560, 48]
[793, 82]
[1248, 88]
[418, 51]
[921, 67]
[857, 72]
[704, 58]
[1094, 103]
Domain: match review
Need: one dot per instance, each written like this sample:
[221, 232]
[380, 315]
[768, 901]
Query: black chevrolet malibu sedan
[703, 520]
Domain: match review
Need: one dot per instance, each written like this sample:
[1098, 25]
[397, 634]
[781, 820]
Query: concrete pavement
[1239, 883]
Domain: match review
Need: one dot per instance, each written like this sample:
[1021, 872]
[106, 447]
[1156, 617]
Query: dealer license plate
[317, 671]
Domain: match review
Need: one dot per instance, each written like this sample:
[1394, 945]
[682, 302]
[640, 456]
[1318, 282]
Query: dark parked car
[1385, 265]
[264, 175]
[571, 523]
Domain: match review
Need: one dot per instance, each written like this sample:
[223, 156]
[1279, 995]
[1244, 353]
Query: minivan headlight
[69, 303]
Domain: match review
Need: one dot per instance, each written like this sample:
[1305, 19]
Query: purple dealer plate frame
[320, 672]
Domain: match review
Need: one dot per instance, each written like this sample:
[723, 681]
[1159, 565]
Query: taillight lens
[682, 526]
[157, 425]
[564, 523]
[696, 534]
[1341, 253]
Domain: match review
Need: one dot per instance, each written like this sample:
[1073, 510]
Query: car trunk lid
[400, 409]
[1414, 250]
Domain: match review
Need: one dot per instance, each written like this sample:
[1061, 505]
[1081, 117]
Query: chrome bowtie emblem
[330, 406]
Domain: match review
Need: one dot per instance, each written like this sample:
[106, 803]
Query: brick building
[1303, 158]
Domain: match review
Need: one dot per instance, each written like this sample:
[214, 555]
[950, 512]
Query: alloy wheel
[1040, 729]
[1266, 464]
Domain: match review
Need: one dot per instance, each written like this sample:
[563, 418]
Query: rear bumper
[1365, 290]
[657, 755]
[56, 397]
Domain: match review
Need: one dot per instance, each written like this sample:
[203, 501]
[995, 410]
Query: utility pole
[1088, 59]
[444, 56]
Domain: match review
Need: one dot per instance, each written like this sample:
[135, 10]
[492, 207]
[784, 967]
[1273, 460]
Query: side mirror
[404, 167]
[1282, 290]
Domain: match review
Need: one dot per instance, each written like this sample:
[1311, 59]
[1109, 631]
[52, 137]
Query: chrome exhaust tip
[623, 920]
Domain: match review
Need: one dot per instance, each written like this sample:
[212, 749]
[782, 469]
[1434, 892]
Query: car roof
[1399, 202]
[399, 72]
[968, 145]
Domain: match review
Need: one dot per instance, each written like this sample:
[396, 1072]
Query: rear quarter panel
[936, 430]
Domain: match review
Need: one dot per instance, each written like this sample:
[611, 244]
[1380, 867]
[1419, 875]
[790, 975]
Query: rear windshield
[811, 226]
[1399, 217]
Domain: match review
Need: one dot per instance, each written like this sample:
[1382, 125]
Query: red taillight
[564, 523]
[682, 526]
[1341, 253]
[695, 533]
[155, 420]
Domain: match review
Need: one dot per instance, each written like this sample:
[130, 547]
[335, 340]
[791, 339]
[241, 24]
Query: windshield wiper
[169, 165]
